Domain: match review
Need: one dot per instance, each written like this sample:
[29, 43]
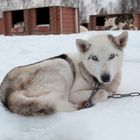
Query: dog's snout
[105, 78]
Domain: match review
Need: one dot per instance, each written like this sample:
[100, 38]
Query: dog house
[43, 20]
[1, 26]
[97, 22]
[137, 20]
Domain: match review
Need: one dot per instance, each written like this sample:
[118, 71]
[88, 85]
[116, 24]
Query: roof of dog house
[20, 4]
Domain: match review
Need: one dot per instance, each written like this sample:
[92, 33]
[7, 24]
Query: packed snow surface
[115, 119]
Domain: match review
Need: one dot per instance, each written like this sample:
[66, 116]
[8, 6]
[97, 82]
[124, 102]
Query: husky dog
[128, 19]
[110, 23]
[83, 29]
[62, 83]
[120, 22]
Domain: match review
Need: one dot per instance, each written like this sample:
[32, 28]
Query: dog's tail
[17, 102]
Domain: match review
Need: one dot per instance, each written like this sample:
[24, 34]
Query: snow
[43, 25]
[115, 119]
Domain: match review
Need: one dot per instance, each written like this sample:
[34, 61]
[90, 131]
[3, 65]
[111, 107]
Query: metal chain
[132, 94]
[93, 93]
[89, 102]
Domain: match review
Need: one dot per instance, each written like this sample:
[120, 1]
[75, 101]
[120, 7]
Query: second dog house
[97, 22]
[43, 20]
[1, 26]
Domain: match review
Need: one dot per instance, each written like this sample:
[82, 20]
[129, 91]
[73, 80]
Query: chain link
[132, 94]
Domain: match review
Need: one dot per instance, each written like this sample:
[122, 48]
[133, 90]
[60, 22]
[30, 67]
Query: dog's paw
[101, 95]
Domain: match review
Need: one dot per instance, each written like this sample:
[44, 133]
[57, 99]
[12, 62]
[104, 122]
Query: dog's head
[102, 55]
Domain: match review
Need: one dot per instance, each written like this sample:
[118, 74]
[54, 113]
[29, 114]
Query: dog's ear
[121, 40]
[82, 45]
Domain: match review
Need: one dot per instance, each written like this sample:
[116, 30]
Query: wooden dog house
[1, 26]
[137, 20]
[97, 22]
[43, 20]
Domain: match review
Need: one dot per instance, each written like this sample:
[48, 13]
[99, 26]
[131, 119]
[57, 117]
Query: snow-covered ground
[115, 119]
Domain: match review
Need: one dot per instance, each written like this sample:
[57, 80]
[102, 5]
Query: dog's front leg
[80, 96]
[100, 96]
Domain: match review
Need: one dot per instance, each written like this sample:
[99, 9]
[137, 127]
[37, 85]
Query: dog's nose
[105, 78]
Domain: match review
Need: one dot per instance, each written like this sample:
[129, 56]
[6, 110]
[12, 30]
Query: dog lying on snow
[62, 83]
[121, 22]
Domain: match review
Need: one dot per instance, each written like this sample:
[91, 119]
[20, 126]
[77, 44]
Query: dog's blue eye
[94, 58]
[111, 56]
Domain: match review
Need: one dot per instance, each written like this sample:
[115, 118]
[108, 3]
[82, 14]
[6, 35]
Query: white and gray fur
[62, 83]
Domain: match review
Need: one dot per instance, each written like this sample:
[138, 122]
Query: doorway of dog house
[43, 16]
[18, 20]
[100, 21]
[85, 25]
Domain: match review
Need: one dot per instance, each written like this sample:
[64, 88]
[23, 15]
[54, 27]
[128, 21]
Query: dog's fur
[62, 83]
